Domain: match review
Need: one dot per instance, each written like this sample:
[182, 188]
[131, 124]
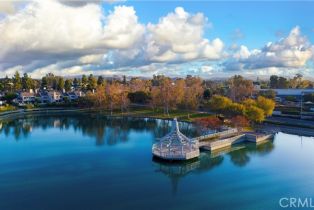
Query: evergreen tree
[44, 83]
[84, 82]
[17, 82]
[100, 80]
[27, 82]
[76, 83]
[68, 85]
[92, 82]
[60, 85]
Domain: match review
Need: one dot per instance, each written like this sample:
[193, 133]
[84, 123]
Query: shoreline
[269, 125]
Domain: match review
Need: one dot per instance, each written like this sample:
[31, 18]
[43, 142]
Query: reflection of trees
[105, 130]
[241, 157]
[177, 170]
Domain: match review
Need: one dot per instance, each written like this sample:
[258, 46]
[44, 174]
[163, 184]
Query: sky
[206, 38]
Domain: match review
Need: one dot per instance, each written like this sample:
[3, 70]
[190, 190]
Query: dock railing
[221, 134]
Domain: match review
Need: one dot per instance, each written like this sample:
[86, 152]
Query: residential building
[26, 97]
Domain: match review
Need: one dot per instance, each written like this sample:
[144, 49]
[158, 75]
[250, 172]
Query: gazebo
[175, 145]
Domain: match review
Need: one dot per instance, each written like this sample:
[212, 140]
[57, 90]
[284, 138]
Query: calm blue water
[94, 162]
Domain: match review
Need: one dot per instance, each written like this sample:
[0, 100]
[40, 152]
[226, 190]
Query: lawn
[183, 115]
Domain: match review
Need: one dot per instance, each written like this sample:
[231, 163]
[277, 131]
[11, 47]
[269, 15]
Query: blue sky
[144, 37]
[259, 22]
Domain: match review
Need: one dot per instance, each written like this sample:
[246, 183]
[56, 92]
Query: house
[72, 96]
[26, 97]
[43, 97]
[55, 96]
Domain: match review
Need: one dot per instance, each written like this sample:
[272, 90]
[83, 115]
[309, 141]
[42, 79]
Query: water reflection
[106, 130]
[240, 156]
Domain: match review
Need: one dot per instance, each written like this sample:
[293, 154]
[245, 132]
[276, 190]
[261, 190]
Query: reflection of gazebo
[176, 146]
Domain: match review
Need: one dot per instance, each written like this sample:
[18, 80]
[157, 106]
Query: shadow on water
[105, 129]
[239, 155]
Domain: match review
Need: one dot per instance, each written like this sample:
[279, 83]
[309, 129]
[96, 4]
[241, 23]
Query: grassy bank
[182, 115]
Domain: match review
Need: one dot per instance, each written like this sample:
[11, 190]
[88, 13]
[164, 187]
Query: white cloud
[122, 29]
[49, 35]
[71, 38]
[91, 59]
[47, 32]
[179, 36]
[7, 6]
[291, 52]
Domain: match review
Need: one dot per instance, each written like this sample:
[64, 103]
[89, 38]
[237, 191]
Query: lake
[89, 161]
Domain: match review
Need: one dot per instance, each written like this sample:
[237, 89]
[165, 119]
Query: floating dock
[176, 146]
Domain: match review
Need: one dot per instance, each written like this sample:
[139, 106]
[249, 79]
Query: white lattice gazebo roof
[175, 145]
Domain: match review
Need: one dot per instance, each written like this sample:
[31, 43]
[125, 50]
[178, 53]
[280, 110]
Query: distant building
[26, 97]
[282, 94]
[55, 96]
[72, 96]
[257, 86]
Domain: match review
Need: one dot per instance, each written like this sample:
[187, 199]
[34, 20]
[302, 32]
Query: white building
[55, 96]
[26, 97]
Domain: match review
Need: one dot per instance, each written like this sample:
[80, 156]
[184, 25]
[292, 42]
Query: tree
[68, 85]
[165, 94]
[9, 97]
[139, 97]
[235, 109]
[268, 94]
[112, 95]
[84, 82]
[273, 80]
[249, 102]
[17, 82]
[92, 82]
[76, 83]
[193, 92]
[27, 82]
[255, 114]
[124, 100]
[219, 103]
[282, 83]
[207, 94]
[100, 99]
[100, 80]
[137, 84]
[239, 122]
[60, 85]
[265, 104]
[44, 83]
[211, 122]
[240, 88]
